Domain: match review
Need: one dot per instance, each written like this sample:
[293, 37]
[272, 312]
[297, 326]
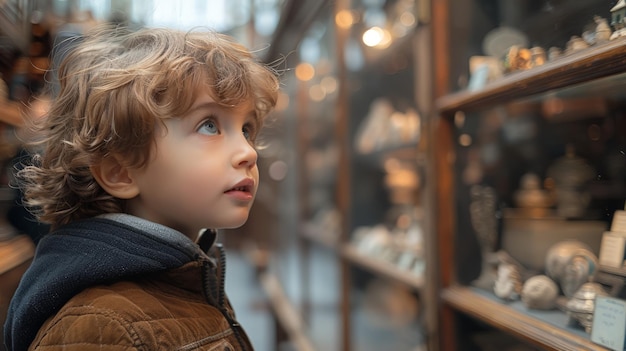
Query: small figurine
[618, 18]
[554, 53]
[571, 175]
[531, 197]
[575, 43]
[540, 293]
[538, 56]
[517, 58]
[603, 31]
[580, 307]
[508, 284]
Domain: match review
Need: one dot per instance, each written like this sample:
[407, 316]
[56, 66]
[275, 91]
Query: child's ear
[115, 178]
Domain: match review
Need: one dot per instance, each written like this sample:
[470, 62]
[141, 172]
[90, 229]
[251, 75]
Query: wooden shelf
[382, 268]
[582, 66]
[374, 265]
[613, 270]
[285, 313]
[546, 329]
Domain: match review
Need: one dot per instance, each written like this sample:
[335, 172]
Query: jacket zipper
[222, 278]
[210, 292]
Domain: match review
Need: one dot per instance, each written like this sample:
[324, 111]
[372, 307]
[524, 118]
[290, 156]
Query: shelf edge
[509, 320]
[585, 65]
[382, 268]
[286, 314]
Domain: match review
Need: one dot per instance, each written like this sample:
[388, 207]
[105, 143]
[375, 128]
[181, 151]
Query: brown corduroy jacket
[166, 311]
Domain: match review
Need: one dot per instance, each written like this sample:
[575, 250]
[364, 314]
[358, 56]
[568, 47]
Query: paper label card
[609, 323]
[619, 222]
[612, 250]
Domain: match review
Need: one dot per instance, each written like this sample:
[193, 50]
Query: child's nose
[245, 155]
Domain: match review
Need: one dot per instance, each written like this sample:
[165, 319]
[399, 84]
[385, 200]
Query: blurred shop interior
[438, 174]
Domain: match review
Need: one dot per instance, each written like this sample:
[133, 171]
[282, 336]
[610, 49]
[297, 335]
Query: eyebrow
[213, 104]
[204, 105]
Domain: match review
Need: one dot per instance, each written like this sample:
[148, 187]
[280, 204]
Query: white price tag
[609, 322]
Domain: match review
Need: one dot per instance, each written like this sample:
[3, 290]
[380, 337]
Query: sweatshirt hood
[85, 253]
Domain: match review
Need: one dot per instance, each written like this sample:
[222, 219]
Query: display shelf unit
[597, 71]
[356, 258]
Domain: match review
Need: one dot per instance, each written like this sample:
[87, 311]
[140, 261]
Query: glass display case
[531, 130]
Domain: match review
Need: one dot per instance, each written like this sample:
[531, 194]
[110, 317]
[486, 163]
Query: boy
[150, 140]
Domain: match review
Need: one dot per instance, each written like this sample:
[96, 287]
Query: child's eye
[249, 131]
[208, 127]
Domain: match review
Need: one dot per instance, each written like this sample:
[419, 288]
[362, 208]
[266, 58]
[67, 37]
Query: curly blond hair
[115, 86]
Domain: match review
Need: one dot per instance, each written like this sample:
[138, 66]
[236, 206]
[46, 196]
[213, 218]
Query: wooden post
[343, 190]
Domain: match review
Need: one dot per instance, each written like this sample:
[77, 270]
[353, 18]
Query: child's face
[203, 173]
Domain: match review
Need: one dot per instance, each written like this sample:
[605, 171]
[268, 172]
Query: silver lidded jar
[581, 306]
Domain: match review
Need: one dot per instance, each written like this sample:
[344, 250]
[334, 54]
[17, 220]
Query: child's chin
[235, 224]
